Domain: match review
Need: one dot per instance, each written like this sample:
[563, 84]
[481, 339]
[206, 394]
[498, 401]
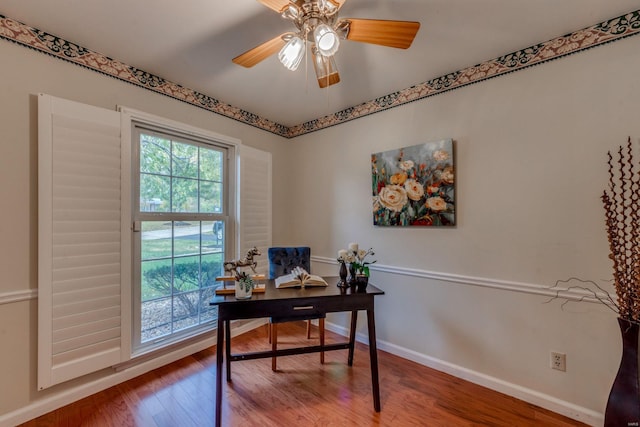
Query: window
[109, 291]
[181, 223]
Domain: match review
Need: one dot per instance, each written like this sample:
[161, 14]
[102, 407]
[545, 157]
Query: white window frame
[132, 118]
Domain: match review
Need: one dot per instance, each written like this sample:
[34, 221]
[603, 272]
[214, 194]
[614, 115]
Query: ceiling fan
[317, 23]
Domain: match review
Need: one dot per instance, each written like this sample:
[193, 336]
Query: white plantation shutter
[255, 203]
[80, 260]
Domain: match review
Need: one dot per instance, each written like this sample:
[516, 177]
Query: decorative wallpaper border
[605, 32]
[55, 46]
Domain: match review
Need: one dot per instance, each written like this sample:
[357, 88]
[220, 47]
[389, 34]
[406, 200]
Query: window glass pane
[185, 195]
[155, 191]
[186, 274]
[185, 160]
[210, 197]
[155, 155]
[187, 238]
[156, 319]
[211, 268]
[156, 240]
[185, 310]
[211, 164]
[207, 312]
[156, 279]
[212, 236]
[181, 182]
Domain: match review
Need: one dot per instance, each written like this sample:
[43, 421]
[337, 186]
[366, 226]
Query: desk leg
[352, 336]
[274, 345]
[373, 359]
[219, 356]
[321, 328]
[227, 333]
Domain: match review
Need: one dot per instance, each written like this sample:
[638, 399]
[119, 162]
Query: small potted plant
[244, 285]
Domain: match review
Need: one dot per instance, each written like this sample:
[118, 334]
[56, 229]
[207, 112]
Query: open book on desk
[299, 277]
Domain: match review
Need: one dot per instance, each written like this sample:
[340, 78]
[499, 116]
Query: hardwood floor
[301, 393]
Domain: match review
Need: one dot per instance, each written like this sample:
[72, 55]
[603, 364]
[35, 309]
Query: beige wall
[531, 165]
[530, 150]
[24, 73]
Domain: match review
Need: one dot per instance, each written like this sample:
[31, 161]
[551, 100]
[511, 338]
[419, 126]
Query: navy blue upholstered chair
[281, 261]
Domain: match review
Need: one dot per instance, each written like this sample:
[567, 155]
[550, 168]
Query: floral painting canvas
[414, 186]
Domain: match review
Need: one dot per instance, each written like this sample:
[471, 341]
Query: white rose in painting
[414, 189]
[436, 204]
[447, 175]
[393, 197]
[440, 155]
[406, 165]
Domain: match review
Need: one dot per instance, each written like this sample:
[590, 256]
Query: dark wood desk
[296, 303]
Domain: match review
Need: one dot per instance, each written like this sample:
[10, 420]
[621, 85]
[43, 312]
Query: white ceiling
[192, 42]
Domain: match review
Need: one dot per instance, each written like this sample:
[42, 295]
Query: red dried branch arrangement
[621, 204]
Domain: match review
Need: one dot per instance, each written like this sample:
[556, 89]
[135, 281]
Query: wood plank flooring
[301, 393]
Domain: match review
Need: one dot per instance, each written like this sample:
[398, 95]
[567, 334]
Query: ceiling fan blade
[261, 52]
[398, 34]
[277, 5]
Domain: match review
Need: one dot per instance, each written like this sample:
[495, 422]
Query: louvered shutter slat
[79, 327]
[255, 203]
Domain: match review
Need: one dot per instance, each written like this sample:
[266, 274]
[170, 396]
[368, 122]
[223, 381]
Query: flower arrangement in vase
[358, 265]
[622, 211]
[621, 202]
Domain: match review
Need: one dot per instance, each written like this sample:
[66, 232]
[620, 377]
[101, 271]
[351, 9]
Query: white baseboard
[542, 400]
[43, 406]
[53, 402]
[551, 403]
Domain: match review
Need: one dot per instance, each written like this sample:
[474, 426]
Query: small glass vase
[343, 276]
[244, 288]
[352, 275]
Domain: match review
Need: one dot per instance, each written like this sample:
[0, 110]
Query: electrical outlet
[559, 361]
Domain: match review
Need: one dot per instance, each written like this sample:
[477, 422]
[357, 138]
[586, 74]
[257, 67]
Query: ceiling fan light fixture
[326, 40]
[318, 25]
[327, 6]
[291, 54]
[292, 12]
[325, 67]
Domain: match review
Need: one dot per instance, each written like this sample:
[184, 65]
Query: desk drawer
[293, 308]
[299, 312]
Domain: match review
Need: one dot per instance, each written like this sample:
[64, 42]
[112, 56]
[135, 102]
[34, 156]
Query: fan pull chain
[306, 65]
[328, 89]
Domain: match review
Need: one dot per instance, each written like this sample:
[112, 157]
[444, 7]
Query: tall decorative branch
[621, 203]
